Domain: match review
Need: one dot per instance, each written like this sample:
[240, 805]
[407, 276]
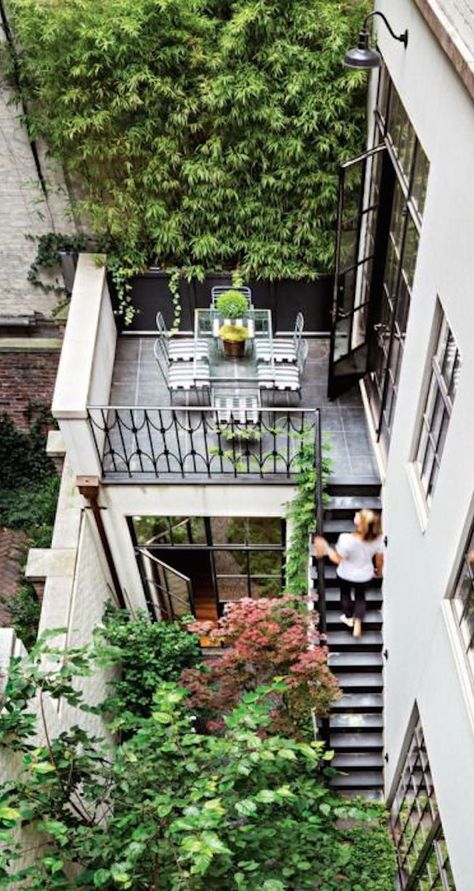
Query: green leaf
[246, 807]
[9, 813]
[273, 885]
[101, 877]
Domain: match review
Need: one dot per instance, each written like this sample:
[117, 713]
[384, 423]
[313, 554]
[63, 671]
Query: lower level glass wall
[423, 858]
[224, 557]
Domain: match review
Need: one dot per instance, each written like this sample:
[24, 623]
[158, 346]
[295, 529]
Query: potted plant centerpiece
[232, 306]
[233, 338]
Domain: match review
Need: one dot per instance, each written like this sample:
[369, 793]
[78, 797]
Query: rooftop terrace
[119, 423]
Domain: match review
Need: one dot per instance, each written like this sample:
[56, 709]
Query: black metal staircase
[356, 722]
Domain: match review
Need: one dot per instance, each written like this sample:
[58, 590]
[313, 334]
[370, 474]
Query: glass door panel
[359, 195]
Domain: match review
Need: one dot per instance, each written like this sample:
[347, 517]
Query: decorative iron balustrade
[169, 444]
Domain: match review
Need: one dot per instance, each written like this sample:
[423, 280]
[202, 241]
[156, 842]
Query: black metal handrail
[153, 443]
[319, 504]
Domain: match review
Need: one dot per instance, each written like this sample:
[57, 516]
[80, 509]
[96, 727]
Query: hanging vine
[301, 512]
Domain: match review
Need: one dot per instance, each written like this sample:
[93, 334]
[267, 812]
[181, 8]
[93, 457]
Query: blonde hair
[370, 525]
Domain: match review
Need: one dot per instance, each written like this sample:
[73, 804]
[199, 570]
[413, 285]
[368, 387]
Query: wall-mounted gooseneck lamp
[362, 55]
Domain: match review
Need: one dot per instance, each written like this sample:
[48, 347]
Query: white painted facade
[426, 663]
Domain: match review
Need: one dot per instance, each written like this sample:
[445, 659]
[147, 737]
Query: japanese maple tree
[262, 640]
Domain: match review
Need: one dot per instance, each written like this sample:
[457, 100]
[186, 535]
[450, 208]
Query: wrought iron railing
[139, 443]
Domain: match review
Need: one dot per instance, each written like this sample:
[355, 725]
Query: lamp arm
[403, 38]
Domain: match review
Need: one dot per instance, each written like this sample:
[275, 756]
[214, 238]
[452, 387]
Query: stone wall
[25, 209]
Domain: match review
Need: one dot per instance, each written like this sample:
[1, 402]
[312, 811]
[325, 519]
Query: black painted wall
[285, 298]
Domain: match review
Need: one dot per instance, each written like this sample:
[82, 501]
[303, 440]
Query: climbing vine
[301, 512]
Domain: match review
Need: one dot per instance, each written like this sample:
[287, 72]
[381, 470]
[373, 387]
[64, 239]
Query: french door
[359, 202]
[168, 592]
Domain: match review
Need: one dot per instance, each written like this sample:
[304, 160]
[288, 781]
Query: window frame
[414, 758]
[435, 392]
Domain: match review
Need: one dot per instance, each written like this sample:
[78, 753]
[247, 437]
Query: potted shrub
[232, 306]
[233, 338]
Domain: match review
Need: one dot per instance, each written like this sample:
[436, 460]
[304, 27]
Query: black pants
[353, 608]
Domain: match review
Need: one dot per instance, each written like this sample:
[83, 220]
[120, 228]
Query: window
[444, 376]
[463, 600]
[245, 555]
[394, 126]
[423, 859]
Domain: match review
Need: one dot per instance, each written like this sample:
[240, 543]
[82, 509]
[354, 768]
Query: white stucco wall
[180, 500]
[424, 661]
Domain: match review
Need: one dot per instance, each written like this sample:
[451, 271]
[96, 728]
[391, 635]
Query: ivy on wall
[201, 135]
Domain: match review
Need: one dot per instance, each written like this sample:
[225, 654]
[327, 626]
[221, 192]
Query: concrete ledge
[45, 563]
[30, 344]
[55, 446]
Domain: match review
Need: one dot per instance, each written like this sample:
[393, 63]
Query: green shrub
[25, 609]
[232, 305]
[148, 653]
[32, 509]
[23, 459]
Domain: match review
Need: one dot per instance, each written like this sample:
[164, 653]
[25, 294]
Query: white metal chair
[217, 290]
[181, 349]
[281, 349]
[279, 377]
[185, 376]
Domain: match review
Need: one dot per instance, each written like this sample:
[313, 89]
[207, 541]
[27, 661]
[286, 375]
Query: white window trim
[461, 662]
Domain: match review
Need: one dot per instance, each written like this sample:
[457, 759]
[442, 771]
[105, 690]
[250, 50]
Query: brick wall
[26, 377]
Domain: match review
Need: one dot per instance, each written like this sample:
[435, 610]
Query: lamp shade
[362, 56]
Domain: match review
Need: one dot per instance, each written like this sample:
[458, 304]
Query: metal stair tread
[357, 761]
[356, 721]
[355, 502]
[354, 661]
[372, 617]
[370, 779]
[358, 701]
[333, 598]
[368, 681]
[355, 741]
[343, 640]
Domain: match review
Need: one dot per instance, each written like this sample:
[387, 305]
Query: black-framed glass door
[376, 252]
[358, 207]
[223, 559]
[168, 592]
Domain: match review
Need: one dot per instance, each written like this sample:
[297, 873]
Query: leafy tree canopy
[200, 134]
[171, 809]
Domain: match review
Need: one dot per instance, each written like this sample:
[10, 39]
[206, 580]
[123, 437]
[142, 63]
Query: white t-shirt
[357, 565]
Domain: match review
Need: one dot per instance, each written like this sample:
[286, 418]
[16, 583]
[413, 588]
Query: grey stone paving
[137, 382]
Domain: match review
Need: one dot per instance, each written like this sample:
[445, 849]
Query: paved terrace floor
[137, 382]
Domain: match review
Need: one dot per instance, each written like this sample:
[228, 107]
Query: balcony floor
[137, 382]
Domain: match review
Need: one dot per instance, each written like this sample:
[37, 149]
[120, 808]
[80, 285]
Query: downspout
[89, 488]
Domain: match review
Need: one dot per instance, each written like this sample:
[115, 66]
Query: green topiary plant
[232, 305]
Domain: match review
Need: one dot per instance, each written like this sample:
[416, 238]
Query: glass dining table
[234, 381]
[225, 371]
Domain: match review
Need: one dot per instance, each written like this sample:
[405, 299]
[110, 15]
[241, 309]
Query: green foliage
[23, 459]
[48, 255]
[31, 509]
[202, 135]
[301, 511]
[173, 809]
[147, 653]
[232, 305]
[25, 609]
[367, 849]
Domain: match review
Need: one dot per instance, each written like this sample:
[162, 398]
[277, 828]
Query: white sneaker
[348, 622]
